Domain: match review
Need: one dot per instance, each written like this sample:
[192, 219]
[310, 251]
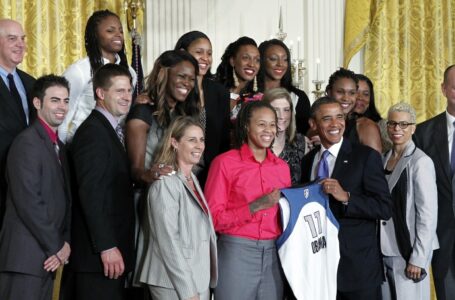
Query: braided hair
[92, 46]
[341, 73]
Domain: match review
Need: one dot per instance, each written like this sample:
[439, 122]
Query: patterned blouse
[293, 154]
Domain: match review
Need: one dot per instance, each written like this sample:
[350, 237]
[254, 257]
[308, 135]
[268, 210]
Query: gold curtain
[409, 45]
[55, 30]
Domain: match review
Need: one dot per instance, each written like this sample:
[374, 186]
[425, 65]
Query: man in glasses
[436, 138]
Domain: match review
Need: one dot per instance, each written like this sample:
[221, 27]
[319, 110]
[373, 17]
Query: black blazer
[431, 137]
[217, 127]
[11, 124]
[359, 171]
[103, 209]
[37, 215]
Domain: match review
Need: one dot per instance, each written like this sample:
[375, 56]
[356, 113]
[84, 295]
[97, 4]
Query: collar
[117, 60]
[112, 120]
[50, 132]
[450, 119]
[247, 154]
[334, 149]
[5, 73]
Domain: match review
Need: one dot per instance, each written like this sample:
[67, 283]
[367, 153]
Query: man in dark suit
[34, 240]
[103, 211]
[16, 110]
[359, 196]
[435, 137]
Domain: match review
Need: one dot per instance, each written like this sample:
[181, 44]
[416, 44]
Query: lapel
[112, 133]
[401, 164]
[9, 101]
[28, 83]
[190, 190]
[441, 145]
[342, 161]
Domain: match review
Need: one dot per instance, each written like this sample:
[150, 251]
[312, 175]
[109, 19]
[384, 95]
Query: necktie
[121, 136]
[452, 155]
[57, 151]
[16, 97]
[323, 165]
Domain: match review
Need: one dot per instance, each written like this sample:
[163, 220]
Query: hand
[113, 263]
[52, 263]
[143, 99]
[314, 141]
[413, 272]
[332, 187]
[266, 201]
[156, 171]
[194, 297]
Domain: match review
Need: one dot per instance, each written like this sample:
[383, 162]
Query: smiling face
[54, 106]
[190, 146]
[261, 129]
[117, 98]
[12, 44]
[276, 62]
[246, 62]
[329, 124]
[180, 82]
[398, 135]
[110, 36]
[344, 90]
[363, 98]
[284, 113]
[201, 50]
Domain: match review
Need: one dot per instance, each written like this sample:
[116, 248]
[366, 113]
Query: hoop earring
[236, 79]
[255, 84]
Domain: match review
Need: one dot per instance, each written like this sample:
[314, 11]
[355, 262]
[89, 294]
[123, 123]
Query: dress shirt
[50, 132]
[331, 159]
[82, 99]
[20, 88]
[235, 180]
[450, 129]
[112, 120]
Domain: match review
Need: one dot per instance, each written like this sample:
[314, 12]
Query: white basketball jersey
[308, 248]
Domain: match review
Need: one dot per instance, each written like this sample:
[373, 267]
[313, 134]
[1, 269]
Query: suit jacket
[11, 124]
[103, 209]
[421, 205]
[217, 126]
[181, 252]
[431, 137]
[37, 218]
[358, 169]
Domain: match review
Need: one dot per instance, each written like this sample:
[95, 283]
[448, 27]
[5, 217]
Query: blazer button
[384, 223]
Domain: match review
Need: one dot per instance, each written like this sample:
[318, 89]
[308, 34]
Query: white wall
[318, 23]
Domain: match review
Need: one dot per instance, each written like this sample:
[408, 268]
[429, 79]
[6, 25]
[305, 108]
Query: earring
[255, 84]
[175, 150]
[236, 79]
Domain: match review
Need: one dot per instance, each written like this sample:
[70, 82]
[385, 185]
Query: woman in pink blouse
[242, 190]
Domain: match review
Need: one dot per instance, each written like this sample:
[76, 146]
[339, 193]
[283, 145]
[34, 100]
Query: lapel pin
[345, 161]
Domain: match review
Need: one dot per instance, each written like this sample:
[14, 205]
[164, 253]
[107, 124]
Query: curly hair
[243, 120]
[157, 82]
[225, 72]
[92, 46]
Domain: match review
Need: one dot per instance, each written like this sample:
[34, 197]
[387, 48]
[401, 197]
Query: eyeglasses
[402, 124]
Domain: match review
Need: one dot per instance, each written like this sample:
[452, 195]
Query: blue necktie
[452, 155]
[323, 166]
[16, 97]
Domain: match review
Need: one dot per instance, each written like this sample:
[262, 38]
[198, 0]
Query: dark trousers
[364, 294]
[96, 286]
[20, 286]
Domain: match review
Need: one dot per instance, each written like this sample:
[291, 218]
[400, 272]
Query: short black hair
[371, 112]
[319, 102]
[102, 77]
[341, 73]
[46, 81]
[243, 119]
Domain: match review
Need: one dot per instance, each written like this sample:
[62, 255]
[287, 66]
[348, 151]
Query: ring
[66, 262]
[160, 166]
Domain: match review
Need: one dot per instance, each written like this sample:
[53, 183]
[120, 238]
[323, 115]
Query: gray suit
[421, 220]
[181, 252]
[36, 223]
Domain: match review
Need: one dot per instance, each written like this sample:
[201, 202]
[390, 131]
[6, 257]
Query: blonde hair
[404, 107]
[166, 154]
[282, 93]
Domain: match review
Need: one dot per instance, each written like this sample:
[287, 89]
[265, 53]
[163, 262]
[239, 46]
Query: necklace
[188, 178]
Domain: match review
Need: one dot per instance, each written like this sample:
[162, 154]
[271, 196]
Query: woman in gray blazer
[409, 237]
[180, 261]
